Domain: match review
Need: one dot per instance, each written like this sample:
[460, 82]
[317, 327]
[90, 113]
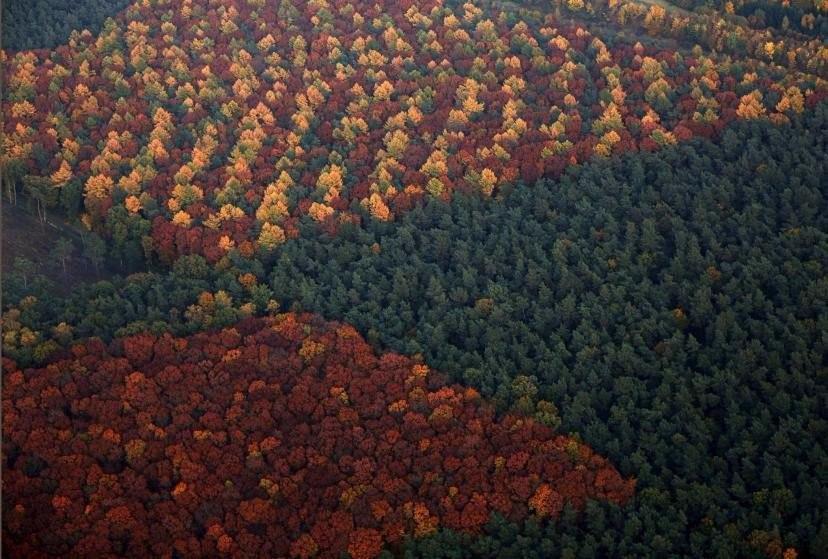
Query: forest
[428, 279]
[302, 422]
[46, 24]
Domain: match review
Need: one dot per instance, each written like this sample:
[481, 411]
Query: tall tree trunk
[41, 213]
[11, 189]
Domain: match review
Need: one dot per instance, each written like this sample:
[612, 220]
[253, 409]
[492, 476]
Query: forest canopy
[631, 292]
[46, 24]
[428, 279]
[214, 436]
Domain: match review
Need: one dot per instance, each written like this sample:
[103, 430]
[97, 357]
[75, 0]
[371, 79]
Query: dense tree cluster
[673, 304]
[803, 16]
[45, 24]
[643, 294]
[757, 35]
[201, 126]
[282, 436]
[409, 168]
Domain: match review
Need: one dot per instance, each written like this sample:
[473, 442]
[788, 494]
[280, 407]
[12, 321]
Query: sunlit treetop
[222, 117]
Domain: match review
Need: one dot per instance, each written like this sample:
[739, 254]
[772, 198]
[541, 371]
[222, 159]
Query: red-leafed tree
[287, 436]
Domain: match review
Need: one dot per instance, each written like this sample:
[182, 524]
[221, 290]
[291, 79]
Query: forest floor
[24, 236]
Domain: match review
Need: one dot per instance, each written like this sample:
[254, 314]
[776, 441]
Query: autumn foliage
[286, 435]
[198, 126]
